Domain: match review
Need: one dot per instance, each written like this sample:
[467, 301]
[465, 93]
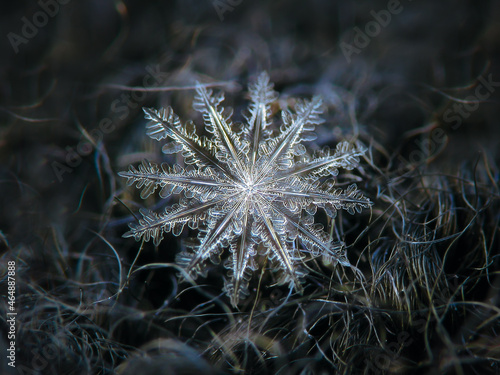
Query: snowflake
[248, 189]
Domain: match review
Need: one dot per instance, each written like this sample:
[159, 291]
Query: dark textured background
[59, 216]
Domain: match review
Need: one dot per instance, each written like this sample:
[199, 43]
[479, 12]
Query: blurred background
[416, 81]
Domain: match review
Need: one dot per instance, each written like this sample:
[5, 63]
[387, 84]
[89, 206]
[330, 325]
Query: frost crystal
[251, 190]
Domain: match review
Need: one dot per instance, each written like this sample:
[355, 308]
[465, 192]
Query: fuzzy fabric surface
[416, 287]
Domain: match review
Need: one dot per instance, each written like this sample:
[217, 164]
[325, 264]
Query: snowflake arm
[153, 225]
[229, 145]
[259, 120]
[351, 199]
[200, 151]
[219, 230]
[174, 180]
[346, 156]
[282, 149]
[274, 237]
[241, 262]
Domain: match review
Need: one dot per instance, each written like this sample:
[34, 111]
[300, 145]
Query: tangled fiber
[420, 90]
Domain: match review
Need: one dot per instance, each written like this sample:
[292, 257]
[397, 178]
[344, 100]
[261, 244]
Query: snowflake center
[250, 188]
